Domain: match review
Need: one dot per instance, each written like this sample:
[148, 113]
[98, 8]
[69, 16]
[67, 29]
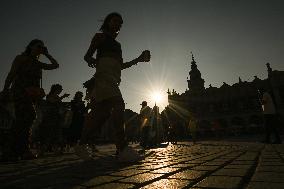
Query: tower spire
[269, 69]
[192, 57]
[240, 80]
[195, 82]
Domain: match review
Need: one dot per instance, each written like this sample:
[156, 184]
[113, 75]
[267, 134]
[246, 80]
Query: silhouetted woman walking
[24, 79]
[106, 96]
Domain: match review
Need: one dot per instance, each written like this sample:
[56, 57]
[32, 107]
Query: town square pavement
[206, 164]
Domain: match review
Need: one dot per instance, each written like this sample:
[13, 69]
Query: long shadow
[67, 175]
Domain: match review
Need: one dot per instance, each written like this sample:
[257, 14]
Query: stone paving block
[271, 163]
[165, 170]
[58, 186]
[265, 185]
[100, 180]
[224, 159]
[168, 184]
[183, 165]
[141, 178]
[205, 168]
[128, 172]
[208, 158]
[188, 174]
[231, 172]
[42, 182]
[196, 162]
[185, 159]
[233, 166]
[268, 157]
[216, 163]
[77, 187]
[171, 162]
[278, 169]
[131, 167]
[233, 154]
[268, 177]
[220, 182]
[240, 162]
[149, 168]
[156, 165]
[62, 186]
[9, 174]
[16, 181]
[114, 186]
[247, 157]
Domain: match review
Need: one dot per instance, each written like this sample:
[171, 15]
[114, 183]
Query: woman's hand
[145, 56]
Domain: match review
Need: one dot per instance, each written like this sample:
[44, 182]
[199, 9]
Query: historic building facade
[234, 108]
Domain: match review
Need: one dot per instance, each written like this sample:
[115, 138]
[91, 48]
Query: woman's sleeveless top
[109, 47]
[108, 70]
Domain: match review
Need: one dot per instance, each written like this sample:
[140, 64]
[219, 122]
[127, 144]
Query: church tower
[195, 82]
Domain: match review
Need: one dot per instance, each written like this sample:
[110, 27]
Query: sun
[158, 97]
[153, 88]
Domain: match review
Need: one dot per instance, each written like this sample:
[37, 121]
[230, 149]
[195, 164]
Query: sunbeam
[153, 89]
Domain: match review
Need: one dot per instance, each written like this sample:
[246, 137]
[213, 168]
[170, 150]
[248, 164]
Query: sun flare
[153, 88]
[158, 97]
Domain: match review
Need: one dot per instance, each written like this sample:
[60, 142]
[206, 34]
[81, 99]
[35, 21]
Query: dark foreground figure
[24, 84]
[106, 98]
[270, 118]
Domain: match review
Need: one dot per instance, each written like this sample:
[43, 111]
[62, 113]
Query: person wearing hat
[145, 118]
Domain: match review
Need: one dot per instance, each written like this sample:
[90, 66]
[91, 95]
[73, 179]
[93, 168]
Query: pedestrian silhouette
[78, 112]
[24, 82]
[270, 117]
[106, 98]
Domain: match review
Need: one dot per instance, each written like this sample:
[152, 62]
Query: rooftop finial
[192, 57]
[240, 80]
[169, 92]
[269, 69]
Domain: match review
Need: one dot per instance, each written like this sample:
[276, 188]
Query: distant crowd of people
[54, 127]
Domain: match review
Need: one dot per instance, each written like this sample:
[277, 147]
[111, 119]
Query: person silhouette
[24, 78]
[270, 117]
[78, 109]
[106, 98]
[50, 129]
[146, 124]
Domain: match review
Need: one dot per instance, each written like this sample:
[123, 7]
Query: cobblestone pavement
[207, 164]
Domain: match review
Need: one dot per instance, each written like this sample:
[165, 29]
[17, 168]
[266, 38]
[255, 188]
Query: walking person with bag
[24, 82]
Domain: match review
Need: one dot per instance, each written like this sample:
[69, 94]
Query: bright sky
[228, 39]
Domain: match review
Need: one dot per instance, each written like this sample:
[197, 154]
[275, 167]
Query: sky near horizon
[229, 39]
